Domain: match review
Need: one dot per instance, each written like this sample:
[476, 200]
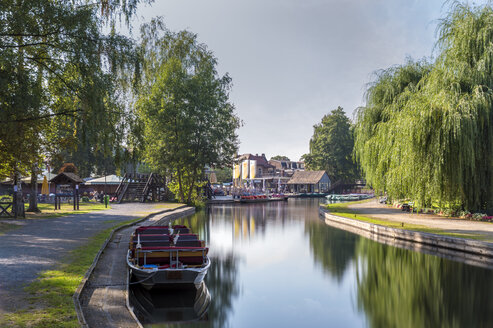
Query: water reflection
[401, 288]
[333, 249]
[170, 305]
[280, 265]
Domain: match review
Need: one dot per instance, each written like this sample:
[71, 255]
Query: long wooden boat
[278, 197]
[162, 256]
[254, 199]
[262, 198]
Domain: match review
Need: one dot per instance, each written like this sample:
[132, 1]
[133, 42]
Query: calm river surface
[280, 265]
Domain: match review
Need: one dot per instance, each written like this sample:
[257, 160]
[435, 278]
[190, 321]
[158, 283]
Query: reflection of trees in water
[333, 248]
[223, 286]
[401, 288]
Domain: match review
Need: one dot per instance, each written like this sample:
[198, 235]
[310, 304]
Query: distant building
[287, 168]
[309, 182]
[107, 184]
[255, 171]
[263, 168]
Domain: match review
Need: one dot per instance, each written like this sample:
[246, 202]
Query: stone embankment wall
[470, 251]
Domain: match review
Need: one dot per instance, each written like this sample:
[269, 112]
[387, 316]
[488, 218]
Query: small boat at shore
[349, 197]
[162, 256]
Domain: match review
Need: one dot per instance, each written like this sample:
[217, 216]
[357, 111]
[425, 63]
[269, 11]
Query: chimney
[263, 155]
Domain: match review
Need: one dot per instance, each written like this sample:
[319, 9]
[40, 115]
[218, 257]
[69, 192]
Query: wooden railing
[6, 209]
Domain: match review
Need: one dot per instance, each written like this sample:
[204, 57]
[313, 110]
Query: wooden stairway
[141, 188]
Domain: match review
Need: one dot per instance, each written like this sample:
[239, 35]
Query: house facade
[309, 182]
[287, 168]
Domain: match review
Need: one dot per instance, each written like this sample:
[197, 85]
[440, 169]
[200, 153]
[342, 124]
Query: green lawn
[168, 205]
[48, 210]
[342, 209]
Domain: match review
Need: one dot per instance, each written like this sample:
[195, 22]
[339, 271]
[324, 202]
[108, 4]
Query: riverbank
[377, 220]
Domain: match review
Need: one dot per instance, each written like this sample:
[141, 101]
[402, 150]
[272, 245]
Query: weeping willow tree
[425, 133]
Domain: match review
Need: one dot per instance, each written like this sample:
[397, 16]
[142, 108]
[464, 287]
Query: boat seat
[154, 243]
[187, 236]
[151, 237]
[161, 255]
[182, 230]
[188, 243]
[158, 230]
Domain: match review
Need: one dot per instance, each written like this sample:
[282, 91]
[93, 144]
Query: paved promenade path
[453, 225]
[37, 246]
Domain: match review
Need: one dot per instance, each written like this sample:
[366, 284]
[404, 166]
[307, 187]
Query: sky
[293, 61]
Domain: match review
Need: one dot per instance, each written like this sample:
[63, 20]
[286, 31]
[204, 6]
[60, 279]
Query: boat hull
[260, 200]
[169, 277]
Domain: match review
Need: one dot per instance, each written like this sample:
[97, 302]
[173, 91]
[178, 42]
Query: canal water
[279, 265]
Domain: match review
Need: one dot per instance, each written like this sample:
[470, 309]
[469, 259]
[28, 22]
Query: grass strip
[342, 209]
[48, 210]
[51, 294]
[168, 205]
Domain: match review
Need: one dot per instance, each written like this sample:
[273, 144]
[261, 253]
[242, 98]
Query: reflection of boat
[254, 199]
[174, 305]
[262, 198]
[161, 256]
[310, 194]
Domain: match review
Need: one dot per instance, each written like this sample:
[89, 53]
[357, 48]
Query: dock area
[104, 295]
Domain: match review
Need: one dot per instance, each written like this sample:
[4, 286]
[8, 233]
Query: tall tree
[280, 158]
[188, 120]
[61, 77]
[426, 131]
[331, 147]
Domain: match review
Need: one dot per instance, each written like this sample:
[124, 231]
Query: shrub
[463, 214]
[85, 199]
[478, 216]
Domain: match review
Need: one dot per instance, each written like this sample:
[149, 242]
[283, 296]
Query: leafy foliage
[188, 122]
[280, 158]
[61, 80]
[224, 174]
[426, 131]
[331, 147]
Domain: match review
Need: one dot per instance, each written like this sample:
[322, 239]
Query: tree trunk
[190, 190]
[182, 197]
[33, 197]
[18, 199]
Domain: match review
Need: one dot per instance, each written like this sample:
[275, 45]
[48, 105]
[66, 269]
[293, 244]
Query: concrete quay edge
[468, 246]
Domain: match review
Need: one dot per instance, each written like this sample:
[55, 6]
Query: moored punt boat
[262, 198]
[254, 199]
[278, 197]
[161, 256]
[349, 197]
